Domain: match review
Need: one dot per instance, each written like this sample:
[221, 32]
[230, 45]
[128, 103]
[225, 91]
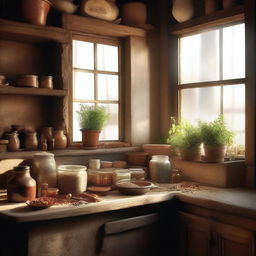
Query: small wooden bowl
[139, 187]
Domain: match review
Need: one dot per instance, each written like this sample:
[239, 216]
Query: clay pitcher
[14, 142]
[182, 10]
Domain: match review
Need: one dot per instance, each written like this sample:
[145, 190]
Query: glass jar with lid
[160, 169]
[72, 179]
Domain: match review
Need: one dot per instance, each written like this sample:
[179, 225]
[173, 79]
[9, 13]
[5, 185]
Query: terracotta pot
[27, 81]
[60, 139]
[90, 138]
[190, 155]
[137, 158]
[229, 3]
[214, 154]
[210, 6]
[21, 186]
[134, 14]
[46, 82]
[31, 142]
[182, 10]
[35, 11]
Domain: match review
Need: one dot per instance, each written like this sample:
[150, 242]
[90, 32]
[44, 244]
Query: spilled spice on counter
[183, 187]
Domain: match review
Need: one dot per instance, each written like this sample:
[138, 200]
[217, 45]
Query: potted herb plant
[92, 119]
[186, 138]
[216, 137]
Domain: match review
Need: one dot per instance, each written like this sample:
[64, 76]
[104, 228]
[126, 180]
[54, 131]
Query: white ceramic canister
[72, 179]
[44, 170]
[160, 169]
[94, 164]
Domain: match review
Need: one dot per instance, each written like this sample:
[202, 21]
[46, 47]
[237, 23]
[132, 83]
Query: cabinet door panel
[194, 235]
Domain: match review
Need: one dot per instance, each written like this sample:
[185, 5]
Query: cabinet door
[195, 236]
[233, 241]
[135, 236]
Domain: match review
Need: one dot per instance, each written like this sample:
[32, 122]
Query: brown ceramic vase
[14, 142]
[31, 141]
[60, 139]
[90, 138]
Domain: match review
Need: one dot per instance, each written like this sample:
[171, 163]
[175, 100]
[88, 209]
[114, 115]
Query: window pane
[234, 52]
[200, 104]
[83, 55]
[107, 57]
[77, 135]
[199, 57]
[234, 110]
[110, 131]
[83, 86]
[107, 87]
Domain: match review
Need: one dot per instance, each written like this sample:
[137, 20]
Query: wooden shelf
[212, 20]
[32, 91]
[101, 27]
[31, 33]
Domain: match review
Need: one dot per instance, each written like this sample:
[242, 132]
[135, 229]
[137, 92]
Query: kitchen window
[96, 81]
[212, 78]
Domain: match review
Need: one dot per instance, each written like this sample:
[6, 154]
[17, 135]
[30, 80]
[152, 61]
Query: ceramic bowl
[134, 187]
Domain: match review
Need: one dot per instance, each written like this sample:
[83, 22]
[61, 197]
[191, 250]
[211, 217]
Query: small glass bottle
[176, 176]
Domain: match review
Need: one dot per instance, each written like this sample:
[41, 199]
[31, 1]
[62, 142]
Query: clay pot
[190, 155]
[214, 154]
[35, 11]
[157, 149]
[182, 10]
[134, 14]
[210, 6]
[60, 139]
[14, 142]
[46, 82]
[21, 186]
[137, 158]
[101, 9]
[31, 141]
[90, 138]
[229, 3]
[27, 81]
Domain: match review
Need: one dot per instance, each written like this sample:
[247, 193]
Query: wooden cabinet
[201, 236]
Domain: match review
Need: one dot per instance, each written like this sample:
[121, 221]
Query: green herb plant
[92, 117]
[184, 135]
[216, 133]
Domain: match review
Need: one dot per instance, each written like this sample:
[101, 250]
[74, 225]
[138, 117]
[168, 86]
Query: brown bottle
[31, 141]
[60, 139]
[21, 186]
[14, 142]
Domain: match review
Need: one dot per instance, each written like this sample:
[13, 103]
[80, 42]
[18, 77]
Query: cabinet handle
[212, 242]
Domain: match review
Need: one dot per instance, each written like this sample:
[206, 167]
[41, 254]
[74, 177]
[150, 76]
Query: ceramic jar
[21, 186]
[160, 169]
[31, 141]
[14, 142]
[35, 11]
[134, 14]
[182, 10]
[44, 170]
[46, 82]
[60, 139]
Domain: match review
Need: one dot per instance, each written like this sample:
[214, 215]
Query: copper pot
[35, 11]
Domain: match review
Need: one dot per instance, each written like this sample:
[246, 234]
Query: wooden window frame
[96, 39]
